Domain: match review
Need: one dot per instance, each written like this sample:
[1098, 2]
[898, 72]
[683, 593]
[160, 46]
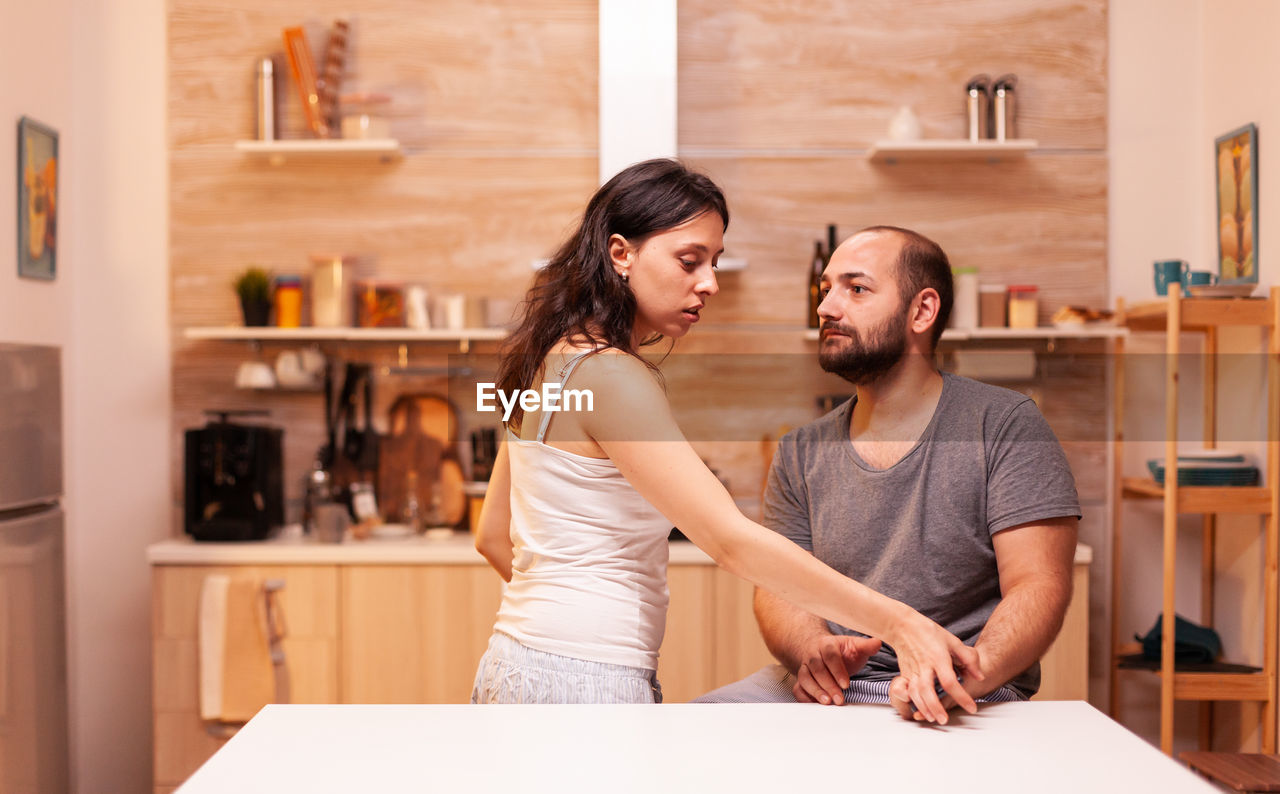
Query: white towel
[236, 674]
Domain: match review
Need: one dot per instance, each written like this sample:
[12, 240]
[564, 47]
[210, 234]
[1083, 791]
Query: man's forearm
[1020, 630]
[786, 628]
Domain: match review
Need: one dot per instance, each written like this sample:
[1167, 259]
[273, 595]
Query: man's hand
[825, 667]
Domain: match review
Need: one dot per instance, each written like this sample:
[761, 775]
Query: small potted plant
[253, 287]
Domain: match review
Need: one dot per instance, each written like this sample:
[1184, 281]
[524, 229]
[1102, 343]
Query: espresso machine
[234, 484]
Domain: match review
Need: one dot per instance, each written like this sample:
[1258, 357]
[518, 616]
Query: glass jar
[992, 300]
[288, 299]
[329, 305]
[1023, 306]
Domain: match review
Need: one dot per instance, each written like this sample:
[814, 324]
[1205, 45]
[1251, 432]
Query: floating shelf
[1019, 334]
[1200, 313]
[277, 151]
[947, 149]
[236, 333]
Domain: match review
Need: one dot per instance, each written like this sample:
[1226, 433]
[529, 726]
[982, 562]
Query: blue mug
[1200, 278]
[1170, 271]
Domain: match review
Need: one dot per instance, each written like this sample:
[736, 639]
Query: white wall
[118, 472]
[95, 71]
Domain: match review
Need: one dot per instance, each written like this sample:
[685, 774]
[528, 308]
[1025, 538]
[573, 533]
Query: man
[950, 495]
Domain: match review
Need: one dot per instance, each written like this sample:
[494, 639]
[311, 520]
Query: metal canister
[266, 76]
[1006, 107]
[978, 106]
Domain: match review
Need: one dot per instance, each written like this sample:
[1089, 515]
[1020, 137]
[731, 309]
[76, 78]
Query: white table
[1063, 746]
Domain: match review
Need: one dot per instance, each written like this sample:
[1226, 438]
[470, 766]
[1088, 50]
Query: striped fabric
[773, 684]
[513, 673]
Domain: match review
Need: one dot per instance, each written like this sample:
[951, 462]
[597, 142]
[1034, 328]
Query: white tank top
[589, 577]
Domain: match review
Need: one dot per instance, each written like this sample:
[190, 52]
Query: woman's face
[672, 273]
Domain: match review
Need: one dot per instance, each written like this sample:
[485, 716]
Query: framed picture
[37, 200]
[1236, 155]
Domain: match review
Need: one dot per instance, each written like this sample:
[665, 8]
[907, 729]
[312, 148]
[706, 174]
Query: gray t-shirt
[920, 531]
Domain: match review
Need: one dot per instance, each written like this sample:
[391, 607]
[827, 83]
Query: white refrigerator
[33, 645]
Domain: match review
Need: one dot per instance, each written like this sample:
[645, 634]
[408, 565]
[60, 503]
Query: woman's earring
[626, 277]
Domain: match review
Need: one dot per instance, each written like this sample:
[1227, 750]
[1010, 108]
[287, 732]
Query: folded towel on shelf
[237, 677]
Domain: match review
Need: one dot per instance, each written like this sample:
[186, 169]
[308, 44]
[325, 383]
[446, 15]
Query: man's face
[863, 333]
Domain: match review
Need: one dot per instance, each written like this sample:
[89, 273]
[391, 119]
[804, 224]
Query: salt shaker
[978, 106]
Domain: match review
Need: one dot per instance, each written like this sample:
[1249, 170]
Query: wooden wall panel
[829, 74]
[465, 74]
[1042, 220]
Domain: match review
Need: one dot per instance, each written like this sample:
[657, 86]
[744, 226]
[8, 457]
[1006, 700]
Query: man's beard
[865, 362]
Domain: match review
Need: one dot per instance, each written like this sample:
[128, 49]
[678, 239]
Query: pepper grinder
[1005, 107]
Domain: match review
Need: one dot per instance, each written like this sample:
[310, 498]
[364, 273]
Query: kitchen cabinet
[407, 622]
[309, 602]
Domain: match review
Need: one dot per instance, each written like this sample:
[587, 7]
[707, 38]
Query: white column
[637, 82]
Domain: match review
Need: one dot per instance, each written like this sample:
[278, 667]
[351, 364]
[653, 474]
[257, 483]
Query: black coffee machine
[234, 479]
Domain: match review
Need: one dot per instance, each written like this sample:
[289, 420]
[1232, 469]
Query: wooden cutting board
[420, 450]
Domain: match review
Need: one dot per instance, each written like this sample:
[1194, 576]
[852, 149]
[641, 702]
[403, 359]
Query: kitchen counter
[1066, 747]
[455, 550]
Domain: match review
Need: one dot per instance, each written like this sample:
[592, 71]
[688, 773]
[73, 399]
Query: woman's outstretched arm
[632, 422]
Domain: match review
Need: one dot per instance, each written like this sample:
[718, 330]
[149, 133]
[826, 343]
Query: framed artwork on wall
[37, 200]
[1236, 157]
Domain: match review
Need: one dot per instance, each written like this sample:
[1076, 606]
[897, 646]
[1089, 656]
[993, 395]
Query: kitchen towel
[236, 673]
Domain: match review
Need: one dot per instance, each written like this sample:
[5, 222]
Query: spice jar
[1023, 305]
[991, 305]
[288, 301]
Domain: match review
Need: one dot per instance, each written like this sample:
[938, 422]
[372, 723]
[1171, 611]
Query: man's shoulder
[983, 395]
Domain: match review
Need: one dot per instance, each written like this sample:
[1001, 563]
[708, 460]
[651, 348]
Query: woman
[580, 502]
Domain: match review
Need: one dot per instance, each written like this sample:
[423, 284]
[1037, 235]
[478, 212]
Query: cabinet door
[1064, 670]
[309, 603]
[687, 659]
[740, 650]
[414, 634]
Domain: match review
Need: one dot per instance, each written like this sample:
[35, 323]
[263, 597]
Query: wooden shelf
[1237, 500]
[1200, 313]
[277, 151]
[233, 333]
[1019, 334]
[947, 149]
[1215, 686]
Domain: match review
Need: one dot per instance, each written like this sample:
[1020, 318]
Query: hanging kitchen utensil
[367, 460]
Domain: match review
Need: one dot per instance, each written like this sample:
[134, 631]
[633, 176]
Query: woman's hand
[926, 653]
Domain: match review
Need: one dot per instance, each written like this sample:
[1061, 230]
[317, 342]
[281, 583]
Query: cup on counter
[1169, 271]
[331, 522]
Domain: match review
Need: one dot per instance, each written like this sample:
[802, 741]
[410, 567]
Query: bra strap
[565, 372]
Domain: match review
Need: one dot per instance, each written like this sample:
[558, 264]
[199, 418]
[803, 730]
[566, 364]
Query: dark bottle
[816, 266]
[831, 240]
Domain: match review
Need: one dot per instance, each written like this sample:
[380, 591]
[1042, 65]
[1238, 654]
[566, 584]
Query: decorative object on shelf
[1068, 317]
[978, 107]
[1236, 160]
[1209, 467]
[303, 69]
[904, 126]
[253, 287]
[1223, 290]
[816, 266]
[417, 312]
[330, 79]
[37, 200]
[1004, 107]
[364, 116]
[379, 304]
[268, 99]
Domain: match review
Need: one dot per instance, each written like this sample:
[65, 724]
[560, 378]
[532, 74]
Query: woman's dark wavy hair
[578, 294]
